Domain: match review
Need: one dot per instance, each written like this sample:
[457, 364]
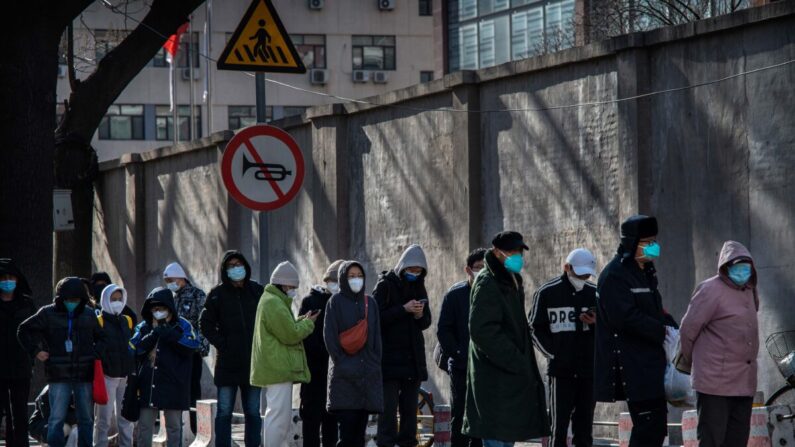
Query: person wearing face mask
[629, 357]
[562, 324]
[352, 334]
[719, 341]
[505, 393]
[189, 300]
[453, 334]
[67, 338]
[117, 363]
[405, 314]
[16, 305]
[227, 321]
[277, 355]
[163, 345]
[96, 284]
[313, 394]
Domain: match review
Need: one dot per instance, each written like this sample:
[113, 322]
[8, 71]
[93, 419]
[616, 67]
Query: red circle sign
[262, 167]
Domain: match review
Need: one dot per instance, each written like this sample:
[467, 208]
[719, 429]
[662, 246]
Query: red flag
[172, 44]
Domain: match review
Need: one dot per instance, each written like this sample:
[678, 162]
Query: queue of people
[357, 355]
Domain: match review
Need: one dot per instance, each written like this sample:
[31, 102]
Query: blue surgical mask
[70, 306]
[514, 263]
[173, 286]
[740, 273]
[237, 273]
[8, 285]
[651, 251]
[410, 277]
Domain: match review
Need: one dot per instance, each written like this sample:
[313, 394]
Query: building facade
[351, 48]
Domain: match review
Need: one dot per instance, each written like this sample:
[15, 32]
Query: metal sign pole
[259, 82]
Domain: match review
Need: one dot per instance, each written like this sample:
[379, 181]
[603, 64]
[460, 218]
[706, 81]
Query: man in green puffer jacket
[277, 353]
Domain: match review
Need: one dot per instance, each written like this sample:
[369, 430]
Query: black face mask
[97, 290]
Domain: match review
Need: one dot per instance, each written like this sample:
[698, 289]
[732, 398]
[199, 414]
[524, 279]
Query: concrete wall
[711, 162]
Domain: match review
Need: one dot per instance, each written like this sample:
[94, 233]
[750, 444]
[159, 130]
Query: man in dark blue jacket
[164, 344]
[629, 354]
[453, 334]
[66, 336]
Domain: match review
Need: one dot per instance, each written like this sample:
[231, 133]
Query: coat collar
[500, 273]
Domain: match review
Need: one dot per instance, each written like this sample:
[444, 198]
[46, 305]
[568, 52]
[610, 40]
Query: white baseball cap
[582, 262]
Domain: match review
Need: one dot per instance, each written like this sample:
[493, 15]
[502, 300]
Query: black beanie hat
[71, 287]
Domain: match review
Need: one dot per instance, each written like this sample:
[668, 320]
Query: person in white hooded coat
[118, 362]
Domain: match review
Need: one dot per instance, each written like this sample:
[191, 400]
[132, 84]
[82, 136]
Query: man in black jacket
[630, 332]
[453, 333]
[402, 302]
[66, 336]
[227, 322]
[313, 394]
[562, 322]
[16, 305]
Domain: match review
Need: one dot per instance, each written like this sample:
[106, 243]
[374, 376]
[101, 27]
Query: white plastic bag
[787, 365]
[678, 389]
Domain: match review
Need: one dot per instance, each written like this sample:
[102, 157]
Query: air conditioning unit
[361, 76]
[185, 72]
[380, 77]
[318, 76]
[61, 71]
[316, 4]
[386, 5]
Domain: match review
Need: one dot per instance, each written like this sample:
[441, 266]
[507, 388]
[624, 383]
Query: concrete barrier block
[205, 423]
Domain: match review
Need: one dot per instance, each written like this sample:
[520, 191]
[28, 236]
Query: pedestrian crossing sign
[260, 43]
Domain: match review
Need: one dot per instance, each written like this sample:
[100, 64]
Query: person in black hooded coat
[405, 314]
[629, 358]
[66, 336]
[227, 322]
[164, 344]
[16, 306]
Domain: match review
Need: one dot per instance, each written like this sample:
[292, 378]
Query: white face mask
[292, 293]
[577, 282]
[116, 307]
[173, 286]
[333, 287]
[160, 315]
[356, 284]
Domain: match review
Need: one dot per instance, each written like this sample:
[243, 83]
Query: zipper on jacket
[152, 381]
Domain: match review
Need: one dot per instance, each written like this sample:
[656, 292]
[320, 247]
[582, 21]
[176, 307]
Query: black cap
[639, 227]
[509, 240]
[71, 287]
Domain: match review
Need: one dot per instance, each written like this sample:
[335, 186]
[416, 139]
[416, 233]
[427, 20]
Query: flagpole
[208, 38]
[192, 126]
[174, 104]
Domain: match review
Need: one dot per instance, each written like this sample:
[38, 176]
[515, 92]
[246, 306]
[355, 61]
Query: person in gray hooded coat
[354, 381]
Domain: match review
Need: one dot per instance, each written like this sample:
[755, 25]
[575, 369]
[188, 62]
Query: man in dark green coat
[505, 395]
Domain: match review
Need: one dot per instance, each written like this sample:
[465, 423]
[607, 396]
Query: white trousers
[276, 426]
[104, 415]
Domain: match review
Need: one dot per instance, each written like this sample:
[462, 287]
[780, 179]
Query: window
[122, 122]
[244, 116]
[312, 48]
[294, 110]
[164, 123]
[373, 52]
[160, 58]
[484, 33]
[426, 7]
[426, 76]
[106, 40]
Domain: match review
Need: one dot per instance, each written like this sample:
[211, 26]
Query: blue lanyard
[69, 334]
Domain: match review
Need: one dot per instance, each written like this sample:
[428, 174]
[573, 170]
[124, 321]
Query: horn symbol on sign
[266, 171]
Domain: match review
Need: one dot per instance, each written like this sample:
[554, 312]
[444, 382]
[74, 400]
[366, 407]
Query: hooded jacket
[17, 362]
[505, 394]
[190, 302]
[118, 360]
[277, 353]
[227, 322]
[164, 382]
[354, 381]
[401, 334]
[629, 358]
[49, 329]
[316, 353]
[719, 334]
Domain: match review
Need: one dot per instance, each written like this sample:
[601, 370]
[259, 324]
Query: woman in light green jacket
[277, 353]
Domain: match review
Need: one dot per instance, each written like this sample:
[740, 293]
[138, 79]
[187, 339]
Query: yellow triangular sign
[260, 43]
